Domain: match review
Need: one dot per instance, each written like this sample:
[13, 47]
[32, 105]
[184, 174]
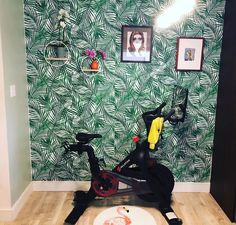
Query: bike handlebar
[163, 104]
[148, 117]
[157, 112]
[154, 113]
[168, 115]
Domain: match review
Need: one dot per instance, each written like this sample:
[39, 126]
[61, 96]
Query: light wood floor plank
[51, 208]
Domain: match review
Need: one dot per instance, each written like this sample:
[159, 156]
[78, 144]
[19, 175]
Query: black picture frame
[136, 44]
[189, 53]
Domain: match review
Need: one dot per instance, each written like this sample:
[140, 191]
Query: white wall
[15, 167]
[4, 162]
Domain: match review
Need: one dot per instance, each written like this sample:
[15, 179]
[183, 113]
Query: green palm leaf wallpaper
[64, 100]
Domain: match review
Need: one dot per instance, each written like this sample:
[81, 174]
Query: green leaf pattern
[64, 100]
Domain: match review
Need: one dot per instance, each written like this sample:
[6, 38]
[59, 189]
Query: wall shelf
[57, 59]
[85, 62]
[90, 70]
[56, 53]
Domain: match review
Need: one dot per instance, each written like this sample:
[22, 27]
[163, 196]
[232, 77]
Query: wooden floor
[51, 208]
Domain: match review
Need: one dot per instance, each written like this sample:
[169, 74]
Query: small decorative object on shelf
[94, 65]
[56, 52]
[61, 48]
[63, 19]
[92, 60]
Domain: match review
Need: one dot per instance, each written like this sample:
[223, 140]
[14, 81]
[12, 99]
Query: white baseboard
[84, 185]
[11, 213]
[60, 185]
[191, 187]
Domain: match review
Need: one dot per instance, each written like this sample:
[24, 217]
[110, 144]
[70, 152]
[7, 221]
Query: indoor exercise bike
[149, 180]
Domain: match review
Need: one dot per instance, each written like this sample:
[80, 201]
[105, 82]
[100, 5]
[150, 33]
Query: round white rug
[124, 215]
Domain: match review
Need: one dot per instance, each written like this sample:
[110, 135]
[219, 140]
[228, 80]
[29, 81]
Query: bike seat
[85, 138]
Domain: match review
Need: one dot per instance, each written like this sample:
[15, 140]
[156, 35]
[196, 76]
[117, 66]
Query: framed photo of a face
[136, 44]
[189, 53]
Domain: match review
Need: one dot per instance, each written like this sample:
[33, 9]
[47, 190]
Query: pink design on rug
[123, 219]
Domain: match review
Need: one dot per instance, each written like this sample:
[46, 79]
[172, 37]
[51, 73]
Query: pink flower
[103, 54]
[87, 52]
[92, 54]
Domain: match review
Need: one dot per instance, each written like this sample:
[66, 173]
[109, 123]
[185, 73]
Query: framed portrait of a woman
[136, 44]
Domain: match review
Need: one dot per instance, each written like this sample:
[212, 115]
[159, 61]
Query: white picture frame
[189, 54]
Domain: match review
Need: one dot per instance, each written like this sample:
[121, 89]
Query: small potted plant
[94, 55]
[63, 19]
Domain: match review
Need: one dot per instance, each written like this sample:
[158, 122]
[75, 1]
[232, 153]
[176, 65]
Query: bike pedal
[175, 221]
[170, 216]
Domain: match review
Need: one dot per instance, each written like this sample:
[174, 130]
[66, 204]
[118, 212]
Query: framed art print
[136, 44]
[189, 54]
